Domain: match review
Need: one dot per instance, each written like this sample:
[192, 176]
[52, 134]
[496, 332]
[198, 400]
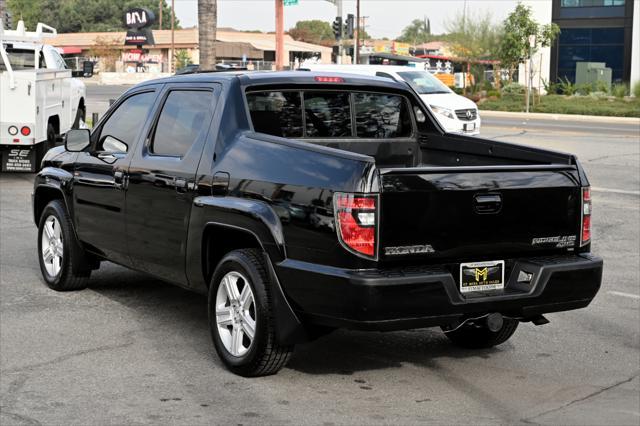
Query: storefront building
[594, 31]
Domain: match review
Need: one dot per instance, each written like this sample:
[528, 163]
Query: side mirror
[76, 140]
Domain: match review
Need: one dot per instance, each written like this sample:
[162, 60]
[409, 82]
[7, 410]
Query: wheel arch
[218, 239]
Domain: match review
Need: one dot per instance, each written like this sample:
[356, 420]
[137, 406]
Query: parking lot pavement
[133, 350]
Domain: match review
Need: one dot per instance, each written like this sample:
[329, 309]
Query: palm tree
[207, 25]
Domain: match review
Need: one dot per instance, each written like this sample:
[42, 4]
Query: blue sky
[387, 18]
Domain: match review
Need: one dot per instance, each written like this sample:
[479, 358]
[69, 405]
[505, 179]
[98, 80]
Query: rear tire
[62, 260]
[479, 337]
[241, 317]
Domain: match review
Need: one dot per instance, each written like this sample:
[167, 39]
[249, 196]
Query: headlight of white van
[443, 111]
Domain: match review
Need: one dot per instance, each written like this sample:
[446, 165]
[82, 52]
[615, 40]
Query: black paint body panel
[168, 213]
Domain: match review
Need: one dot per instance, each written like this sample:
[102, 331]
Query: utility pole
[173, 40]
[356, 59]
[159, 14]
[340, 46]
[279, 35]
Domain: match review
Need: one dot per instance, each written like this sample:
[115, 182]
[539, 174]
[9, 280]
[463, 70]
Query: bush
[619, 90]
[601, 86]
[566, 87]
[513, 89]
[636, 89]
[493, 93]
[584, 89]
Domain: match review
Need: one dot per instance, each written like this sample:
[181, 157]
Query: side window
[182, 120]
[276, 113]
[327, 114]
[125, 122]
[381, 116]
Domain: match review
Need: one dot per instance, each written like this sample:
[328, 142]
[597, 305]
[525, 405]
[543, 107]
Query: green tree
[473, 38]
[417, 32]
[518, 29]
[183, 58]
[70, 16]
[313, 31]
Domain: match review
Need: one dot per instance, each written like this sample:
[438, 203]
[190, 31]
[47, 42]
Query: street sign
[290, 2]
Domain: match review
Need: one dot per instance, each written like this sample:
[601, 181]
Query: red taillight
[585, 234]
[323, 79]
[356, 222]
[25, 131]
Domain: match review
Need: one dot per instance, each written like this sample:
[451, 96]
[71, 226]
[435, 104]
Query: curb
[560, 117]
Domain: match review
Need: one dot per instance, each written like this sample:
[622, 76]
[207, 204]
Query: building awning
[70, 50]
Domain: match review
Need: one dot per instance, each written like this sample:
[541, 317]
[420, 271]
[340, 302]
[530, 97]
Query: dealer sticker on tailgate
[481, 276]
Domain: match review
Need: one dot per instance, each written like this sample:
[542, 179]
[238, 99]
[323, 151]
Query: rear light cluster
[25, 131]
[585, 234]
[356, 222]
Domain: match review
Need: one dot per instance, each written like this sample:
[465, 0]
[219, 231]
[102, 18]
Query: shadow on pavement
[175, 310]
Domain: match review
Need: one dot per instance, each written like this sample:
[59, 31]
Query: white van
[39, 98]
[455, 113]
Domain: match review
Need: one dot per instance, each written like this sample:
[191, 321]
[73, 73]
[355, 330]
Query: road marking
[615, 191]
[629, 295]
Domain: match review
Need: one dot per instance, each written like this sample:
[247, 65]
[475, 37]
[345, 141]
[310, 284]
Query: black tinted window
[381, 116]
[183, 117]
[276, 113]
[125, 122]
[327, 114]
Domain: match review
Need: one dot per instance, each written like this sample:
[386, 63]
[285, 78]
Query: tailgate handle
[487, 203]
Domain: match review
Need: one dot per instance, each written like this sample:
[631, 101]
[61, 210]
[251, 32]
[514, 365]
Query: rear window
[276, 113]
[381, 116]
[329, 114]
[21, 59]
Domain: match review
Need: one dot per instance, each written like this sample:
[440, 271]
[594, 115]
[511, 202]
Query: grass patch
[560, 104]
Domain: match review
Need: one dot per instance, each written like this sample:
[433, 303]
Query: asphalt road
[133, 350]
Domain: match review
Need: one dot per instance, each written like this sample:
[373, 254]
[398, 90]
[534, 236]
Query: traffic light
[337, 27]
[350, 26]
[7, 20]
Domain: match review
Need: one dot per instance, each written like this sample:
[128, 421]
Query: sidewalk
[560, 117]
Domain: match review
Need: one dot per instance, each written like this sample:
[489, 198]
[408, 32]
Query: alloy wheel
[235, 313]
[52, 248]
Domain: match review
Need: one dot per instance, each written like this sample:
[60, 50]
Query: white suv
[455, 113]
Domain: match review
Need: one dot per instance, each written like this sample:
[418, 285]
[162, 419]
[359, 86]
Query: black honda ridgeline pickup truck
[304, 202]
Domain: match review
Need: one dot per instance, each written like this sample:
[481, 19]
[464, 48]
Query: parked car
[455, 113]
[183, 179]
[39, 99]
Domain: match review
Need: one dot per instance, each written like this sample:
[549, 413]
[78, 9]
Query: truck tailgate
[478, 213]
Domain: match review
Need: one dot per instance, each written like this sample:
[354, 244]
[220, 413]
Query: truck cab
[39, 99]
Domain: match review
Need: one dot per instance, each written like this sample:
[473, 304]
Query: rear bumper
[428, 296]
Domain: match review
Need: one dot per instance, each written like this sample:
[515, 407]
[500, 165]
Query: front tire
[241, 317]
[62, 259]
[480, 337]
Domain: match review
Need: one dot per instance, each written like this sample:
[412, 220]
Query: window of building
[182, 120]
[590, 45]
[591, 3]
[276, 113]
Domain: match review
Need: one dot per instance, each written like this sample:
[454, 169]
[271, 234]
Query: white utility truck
[39, 99]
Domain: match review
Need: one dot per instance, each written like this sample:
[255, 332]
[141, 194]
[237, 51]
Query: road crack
[584, 398]
[510, 135]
